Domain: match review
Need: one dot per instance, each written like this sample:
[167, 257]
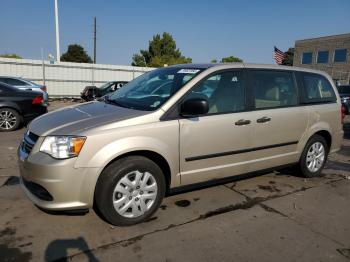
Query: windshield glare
[151, 90]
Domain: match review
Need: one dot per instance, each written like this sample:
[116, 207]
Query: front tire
[314, 156]
[130, 190]
[9, 119]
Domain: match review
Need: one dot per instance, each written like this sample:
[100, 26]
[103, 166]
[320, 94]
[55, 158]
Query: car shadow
[78, 212]
[57, 250]
[339, 166]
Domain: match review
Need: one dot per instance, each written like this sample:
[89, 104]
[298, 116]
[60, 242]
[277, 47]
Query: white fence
[67, 79]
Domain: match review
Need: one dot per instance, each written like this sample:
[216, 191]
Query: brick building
[328, 53]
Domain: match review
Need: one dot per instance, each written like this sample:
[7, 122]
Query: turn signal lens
[77, 144]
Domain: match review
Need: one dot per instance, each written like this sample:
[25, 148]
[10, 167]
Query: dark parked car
[344, 92]
[93, 92]
[24, 84]
[19, 107]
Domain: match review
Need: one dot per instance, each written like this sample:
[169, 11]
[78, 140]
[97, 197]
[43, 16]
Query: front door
[212, 146]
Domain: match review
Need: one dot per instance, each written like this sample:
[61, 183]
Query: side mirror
[194, 107]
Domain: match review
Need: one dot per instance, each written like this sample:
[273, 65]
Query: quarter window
[307, 58]
[224, 92]
[322, 57]
[317, 88]
[340, 55]
[273, 89]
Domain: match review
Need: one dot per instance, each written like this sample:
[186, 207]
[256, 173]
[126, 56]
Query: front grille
[29, 141]
[37, 190]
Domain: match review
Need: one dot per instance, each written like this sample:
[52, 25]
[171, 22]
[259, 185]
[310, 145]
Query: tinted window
[322, 57]
[273, 89]
[344, 89]
[307, 58]
[15, 82]
[340, 55]
[224, 92]
[317, 88]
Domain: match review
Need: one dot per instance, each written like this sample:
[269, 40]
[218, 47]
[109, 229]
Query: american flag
[278, 56]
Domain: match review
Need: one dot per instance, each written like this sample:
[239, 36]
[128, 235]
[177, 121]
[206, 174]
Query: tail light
[342, 113]
[43, 88]
[38, 100]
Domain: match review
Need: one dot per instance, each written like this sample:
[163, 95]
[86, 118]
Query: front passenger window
[224, 92]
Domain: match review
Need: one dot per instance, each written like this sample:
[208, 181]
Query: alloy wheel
[7, 120]
[315, 157]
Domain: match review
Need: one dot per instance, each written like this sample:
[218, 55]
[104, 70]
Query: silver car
[212, 122]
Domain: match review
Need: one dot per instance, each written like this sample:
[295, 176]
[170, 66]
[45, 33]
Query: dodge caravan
[205, 123]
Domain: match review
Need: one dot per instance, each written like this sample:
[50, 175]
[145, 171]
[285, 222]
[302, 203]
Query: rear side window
[317, 89]
[15, 82]
[273, 89]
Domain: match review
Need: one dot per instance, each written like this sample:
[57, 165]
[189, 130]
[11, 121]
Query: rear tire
[10, 120]
[130, 190]
[314, 156]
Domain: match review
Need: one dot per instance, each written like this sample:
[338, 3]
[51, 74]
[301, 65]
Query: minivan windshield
[151, 90]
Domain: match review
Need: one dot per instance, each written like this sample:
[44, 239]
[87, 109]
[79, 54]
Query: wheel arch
[326, 135]
[152, 155]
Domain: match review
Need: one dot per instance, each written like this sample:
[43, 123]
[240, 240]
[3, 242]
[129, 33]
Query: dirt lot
[272, 217]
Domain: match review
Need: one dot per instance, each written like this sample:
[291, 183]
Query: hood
[74, 119]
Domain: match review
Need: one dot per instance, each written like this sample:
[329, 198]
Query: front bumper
[55, 184]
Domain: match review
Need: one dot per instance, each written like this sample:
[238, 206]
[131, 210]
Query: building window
[340, 55]
[307, 58]
[322, 57]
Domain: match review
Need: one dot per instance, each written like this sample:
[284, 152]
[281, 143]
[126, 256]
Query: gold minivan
[178, 126]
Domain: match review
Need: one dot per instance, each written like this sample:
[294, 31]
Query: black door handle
[263, 119]
[242, 122]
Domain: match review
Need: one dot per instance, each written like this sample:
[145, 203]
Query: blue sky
[203, 29]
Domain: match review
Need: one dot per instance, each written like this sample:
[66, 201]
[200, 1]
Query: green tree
[77, 54]
[214, 61]
[161, 50]
[231, 59]
[11, 56]
[288, 57]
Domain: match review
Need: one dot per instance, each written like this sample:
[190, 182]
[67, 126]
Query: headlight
[62, 146]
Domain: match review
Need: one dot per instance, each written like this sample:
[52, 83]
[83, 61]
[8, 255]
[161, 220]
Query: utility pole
[58, 56]
[95, 40]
